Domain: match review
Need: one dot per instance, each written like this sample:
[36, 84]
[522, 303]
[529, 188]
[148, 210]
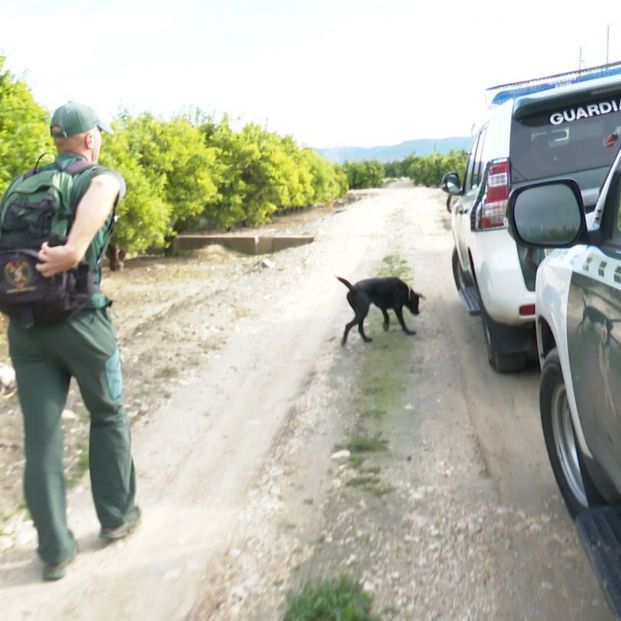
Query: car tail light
[494, 205]
[527, 309]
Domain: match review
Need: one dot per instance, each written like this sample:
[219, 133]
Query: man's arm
[91, 214]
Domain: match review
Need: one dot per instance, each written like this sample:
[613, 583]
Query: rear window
[565, 140]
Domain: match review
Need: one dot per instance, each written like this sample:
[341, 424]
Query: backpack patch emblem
[18, 273]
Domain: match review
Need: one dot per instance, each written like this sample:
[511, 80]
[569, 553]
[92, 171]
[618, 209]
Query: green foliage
[143, 216]
[423, 170]
[394, 169]
[181, 173]
[176, 161]
[365, 174]
[24, 128]
[339, 599]
[263, 173]
[428, 170]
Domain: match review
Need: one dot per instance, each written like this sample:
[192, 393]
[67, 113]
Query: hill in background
[421, 147]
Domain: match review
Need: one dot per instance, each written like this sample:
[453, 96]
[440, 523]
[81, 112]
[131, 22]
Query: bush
[365, 174]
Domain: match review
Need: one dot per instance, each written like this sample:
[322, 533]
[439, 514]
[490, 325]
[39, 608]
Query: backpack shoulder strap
[75, 168]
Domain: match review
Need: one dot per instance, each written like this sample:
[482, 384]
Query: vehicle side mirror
[547, 215]
[450, 183]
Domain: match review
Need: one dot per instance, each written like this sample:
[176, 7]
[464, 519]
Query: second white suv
[578, 322]
[566, 125]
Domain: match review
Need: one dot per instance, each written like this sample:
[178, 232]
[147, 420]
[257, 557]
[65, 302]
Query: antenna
[607, 41]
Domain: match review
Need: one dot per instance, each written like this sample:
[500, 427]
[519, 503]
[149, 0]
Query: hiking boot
[57, 571]
[118, 532]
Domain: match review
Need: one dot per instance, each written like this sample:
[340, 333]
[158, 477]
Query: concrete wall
[247, 244]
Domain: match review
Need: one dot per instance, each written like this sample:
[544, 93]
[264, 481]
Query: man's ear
[89, 140]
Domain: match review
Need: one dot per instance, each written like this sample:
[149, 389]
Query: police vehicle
[578, 327]
[562, 125]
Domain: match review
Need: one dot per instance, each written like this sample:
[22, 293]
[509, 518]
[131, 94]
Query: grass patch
[371, 484]
[363, 480]
[383, 376]
[367, 444]
[374, 412]
[337, 599]
[395, 265]
[379, 490]
[355, 461]
[371, 469]
[165, 372]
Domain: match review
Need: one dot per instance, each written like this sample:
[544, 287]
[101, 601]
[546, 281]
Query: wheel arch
[545, 338]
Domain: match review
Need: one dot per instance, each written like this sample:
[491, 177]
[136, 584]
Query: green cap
[75, 118]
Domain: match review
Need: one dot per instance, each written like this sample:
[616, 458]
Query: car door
[594, 340]
[462, 209]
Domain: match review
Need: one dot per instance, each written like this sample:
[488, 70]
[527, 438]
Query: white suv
[564, 125]
[578, 320]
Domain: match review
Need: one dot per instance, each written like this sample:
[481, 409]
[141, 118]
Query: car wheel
[499, 360]
[576, 486]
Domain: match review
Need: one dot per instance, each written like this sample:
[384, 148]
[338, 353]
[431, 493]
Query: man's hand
[91, 214]
[56, 259]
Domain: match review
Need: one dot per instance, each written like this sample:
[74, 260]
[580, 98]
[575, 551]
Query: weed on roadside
[366, 444]
[336, 599]
[367, 478]
[371, 484]
[166, 372]
[395, 265]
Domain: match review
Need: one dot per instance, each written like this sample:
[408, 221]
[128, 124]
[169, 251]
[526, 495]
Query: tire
[501, 361]
[575, 484]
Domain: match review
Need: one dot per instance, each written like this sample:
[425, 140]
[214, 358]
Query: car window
[476, 166]
[565, 141]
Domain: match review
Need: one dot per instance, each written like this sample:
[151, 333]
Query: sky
[327, 72]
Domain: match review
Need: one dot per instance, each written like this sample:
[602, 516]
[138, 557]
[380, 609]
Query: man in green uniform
[84, 346]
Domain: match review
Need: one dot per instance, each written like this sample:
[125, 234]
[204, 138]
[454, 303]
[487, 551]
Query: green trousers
[45, 358]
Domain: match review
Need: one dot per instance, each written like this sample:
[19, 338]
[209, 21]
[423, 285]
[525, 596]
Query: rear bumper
[499, 278]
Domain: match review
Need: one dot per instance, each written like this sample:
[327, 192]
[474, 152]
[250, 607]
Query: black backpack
[37, 208]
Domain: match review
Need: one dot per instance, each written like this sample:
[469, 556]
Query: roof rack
[495, 95]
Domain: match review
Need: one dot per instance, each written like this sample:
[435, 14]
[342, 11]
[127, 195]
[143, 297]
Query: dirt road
[244, 403]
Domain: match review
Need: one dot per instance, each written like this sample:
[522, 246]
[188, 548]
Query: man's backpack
[37, 208]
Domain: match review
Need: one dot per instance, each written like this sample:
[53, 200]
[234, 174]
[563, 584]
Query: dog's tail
[345, 282]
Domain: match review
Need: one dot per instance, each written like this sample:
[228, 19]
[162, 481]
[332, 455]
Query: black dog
[385, 293]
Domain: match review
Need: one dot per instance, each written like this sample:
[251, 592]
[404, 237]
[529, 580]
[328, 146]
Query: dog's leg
[348, 327]
[360, 304]
[399, 314]
[386, 319]
[361, 307]
[365, 338]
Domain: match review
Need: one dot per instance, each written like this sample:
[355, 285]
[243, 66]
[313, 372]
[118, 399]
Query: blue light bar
[503, 92]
